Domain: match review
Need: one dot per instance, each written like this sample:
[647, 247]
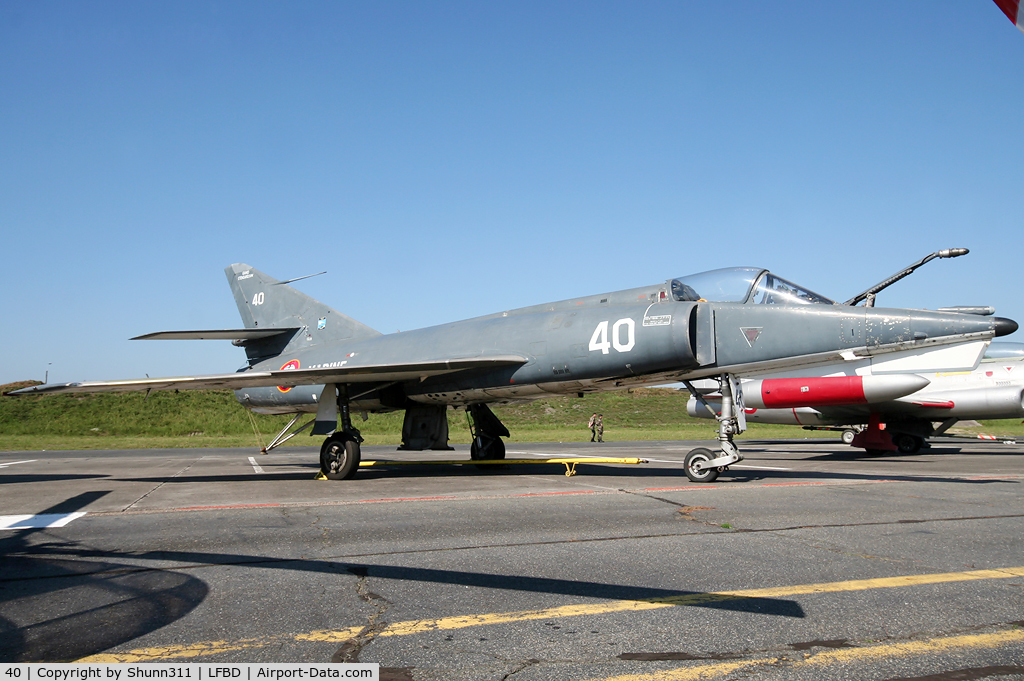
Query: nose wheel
[701, 472]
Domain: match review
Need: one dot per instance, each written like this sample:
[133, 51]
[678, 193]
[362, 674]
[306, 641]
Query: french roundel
[288, 366]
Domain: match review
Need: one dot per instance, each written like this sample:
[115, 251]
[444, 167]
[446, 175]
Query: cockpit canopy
[743, 285]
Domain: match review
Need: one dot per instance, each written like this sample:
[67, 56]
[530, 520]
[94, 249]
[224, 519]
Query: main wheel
[908, 444]
[848, 435]
[486, 448]
[339, 457]
[705, 474]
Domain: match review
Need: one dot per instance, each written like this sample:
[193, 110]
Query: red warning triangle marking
[751, 333]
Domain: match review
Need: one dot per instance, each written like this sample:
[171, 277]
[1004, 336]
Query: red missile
[786, 393]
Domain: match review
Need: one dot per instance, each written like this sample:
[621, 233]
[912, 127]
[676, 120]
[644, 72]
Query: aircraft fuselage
[600, 343]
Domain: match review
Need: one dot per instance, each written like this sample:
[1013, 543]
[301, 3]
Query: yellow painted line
[204, 648]
[707, 671]
[932, 646]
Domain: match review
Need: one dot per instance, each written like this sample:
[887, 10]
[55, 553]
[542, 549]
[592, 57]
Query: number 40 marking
[599, 341]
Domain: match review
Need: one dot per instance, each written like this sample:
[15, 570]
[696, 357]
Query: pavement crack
[646, 495]
[183, 470]
[822, 545]
[375, 624]
[684, 509]
[781, 655]
[520, 667]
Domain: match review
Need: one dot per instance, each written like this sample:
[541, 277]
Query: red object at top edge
[781, 393]
[1011, 8]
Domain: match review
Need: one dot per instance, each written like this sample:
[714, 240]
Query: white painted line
[732, 465]
[760, 468]
[255, 466]
[12, 463]
[32, 522]
[569, 455]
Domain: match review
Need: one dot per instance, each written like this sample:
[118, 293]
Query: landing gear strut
[701, 465]
[340, 455]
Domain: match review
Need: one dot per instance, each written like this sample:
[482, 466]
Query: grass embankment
[215, 419]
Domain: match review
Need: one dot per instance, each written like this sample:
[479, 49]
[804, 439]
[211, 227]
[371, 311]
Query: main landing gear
[702, 464]
[487, 431]
[339, 454]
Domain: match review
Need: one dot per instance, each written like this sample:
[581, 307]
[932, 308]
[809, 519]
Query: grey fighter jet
[305, 357]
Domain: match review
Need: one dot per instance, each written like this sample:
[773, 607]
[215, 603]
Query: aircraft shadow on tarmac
[897, 457]
[737, 476]
[55, 607]
[827, 476]
[104, 603]
[9, 479]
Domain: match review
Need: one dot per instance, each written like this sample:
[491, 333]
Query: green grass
[215, 419]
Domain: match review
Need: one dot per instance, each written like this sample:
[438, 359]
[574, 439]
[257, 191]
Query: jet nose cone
[1004, 326]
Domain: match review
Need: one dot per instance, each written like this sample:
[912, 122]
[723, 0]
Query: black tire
[848, 435]
[703, 455]
[486, 448]
[339, 457]
[908, 444]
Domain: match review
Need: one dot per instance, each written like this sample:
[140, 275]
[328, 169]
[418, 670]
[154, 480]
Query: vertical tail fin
[264, 302]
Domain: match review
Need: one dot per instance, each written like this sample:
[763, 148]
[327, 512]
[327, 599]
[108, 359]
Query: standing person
[599, 427]
[592, 424]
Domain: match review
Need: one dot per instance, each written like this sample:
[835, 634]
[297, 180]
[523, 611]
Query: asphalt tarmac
[805, 562]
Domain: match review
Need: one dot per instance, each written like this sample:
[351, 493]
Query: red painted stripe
[381, 501]
[816, 484]
[676, 489]
[551, 494]
[936, 405]
[780, 393]
[214, 508]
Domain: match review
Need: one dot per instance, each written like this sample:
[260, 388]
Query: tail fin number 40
[599, 341]
[258, 298]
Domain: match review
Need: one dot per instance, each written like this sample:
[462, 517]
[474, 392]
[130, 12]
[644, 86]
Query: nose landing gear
[701, 465]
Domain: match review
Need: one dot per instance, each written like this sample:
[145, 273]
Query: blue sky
[445, 160]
